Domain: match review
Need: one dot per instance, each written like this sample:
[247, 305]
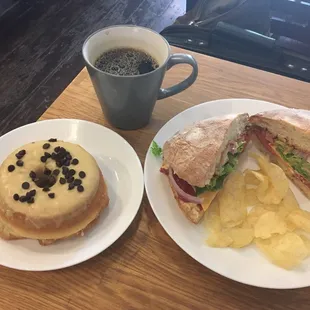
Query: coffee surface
[126, 61]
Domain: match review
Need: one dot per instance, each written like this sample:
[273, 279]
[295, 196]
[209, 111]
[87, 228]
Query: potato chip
[286, 206]
[219, 240]
[251, 197]
[245, 224]
[268, 224]
[254, 215]
[249, 178]
[286, 251]
[262, 161]
[278, 186]
[231, 201]
[274, 215]
[241, 236]
[306, 241]
[301, 219]
[289, 201]
[214, 207]
[263, 183]
[212, 220]
[269, 207]
[290, 226]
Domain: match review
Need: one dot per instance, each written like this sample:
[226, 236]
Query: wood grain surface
[145, 268]
[41, 42]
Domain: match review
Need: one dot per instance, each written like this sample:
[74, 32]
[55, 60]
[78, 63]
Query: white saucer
[123, 173]
[245, 265]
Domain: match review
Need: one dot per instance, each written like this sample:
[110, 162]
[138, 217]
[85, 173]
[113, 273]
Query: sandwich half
[198, 159]
[285, 134]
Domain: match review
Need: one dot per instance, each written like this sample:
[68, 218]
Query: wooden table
[145, 268]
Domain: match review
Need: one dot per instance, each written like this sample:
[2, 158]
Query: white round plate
[245, 265]
[123, 173]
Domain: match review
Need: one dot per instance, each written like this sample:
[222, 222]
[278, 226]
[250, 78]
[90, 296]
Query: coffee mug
[128, 101]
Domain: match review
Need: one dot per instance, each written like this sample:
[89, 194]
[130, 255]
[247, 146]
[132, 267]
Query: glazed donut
[50, 190]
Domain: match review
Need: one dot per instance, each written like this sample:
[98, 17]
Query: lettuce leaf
[217, 181]
[156, 150]
[298, 163]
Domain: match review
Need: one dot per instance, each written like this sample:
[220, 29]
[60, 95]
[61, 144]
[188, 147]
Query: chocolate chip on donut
[19, 163]
[16, 197]
[28, 195]
[70, 179]
[71, 186]
[46, 146]
[56, 172]
[20, 154]
[47, 155]
[82, 174]
[77, 182]
[25, 185]
[46, 189]
[47, 171]
[62, 181]
[52, 140]
[57, 149]
[80, 188]
[32, 175]
[51, 195]
[75, 161]
[69, 156]
[43, 159]
[22, 198]
[30, 200]
[71, 172]
[32, 192]
[11, 168]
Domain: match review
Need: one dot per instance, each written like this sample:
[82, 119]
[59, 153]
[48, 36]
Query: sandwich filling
[228, 163]
[297, 159]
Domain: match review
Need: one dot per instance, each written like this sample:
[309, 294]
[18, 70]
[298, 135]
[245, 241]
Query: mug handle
[175, 59]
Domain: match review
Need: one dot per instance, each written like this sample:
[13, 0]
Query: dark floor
[40, 50]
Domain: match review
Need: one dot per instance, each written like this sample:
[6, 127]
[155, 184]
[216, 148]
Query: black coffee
[126, 61]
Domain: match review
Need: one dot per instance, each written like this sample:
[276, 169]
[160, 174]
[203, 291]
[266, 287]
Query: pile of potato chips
[259, 207]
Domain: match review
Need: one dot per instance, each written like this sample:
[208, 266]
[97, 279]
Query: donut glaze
[46, 210]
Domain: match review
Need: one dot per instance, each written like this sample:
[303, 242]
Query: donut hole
[42, 180]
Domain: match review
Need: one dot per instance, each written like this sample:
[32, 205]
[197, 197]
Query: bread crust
[194, 153]
[295, 117]
[192, 211]
[291, 124]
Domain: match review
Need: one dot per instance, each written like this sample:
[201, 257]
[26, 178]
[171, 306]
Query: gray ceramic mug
[128, 101]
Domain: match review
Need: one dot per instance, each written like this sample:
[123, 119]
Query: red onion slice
[164, 171]
[269, 137]
[183, 195]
